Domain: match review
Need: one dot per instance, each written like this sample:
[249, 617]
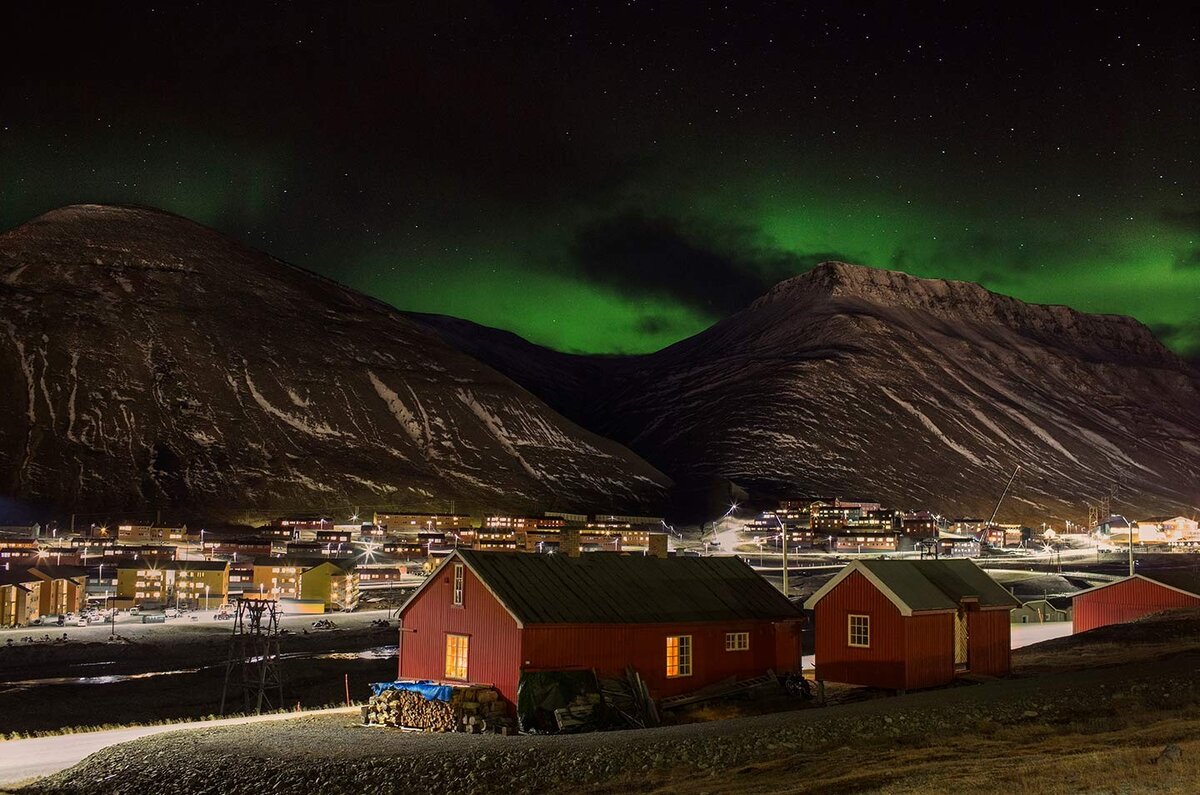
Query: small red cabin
[1134, 597]
[904, 624]
[682, 623]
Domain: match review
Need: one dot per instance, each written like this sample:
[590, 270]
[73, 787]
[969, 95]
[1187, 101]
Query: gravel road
[333, 755]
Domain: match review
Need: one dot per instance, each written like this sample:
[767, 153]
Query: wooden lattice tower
[253, 663]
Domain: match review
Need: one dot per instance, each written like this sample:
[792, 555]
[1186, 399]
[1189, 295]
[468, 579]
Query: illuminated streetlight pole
[783, 537]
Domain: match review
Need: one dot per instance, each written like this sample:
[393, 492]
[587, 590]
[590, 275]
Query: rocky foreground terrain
[148, 363]
[865, 383]
[1083, 714]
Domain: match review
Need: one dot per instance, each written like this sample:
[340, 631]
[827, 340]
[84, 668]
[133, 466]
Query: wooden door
[962, 641]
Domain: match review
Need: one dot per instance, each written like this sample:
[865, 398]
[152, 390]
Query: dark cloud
[1183, 338]
[1187, 220]
[653, 324]
[716, 270]
[1187, 260]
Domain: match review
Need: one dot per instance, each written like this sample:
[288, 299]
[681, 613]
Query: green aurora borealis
[489, 167]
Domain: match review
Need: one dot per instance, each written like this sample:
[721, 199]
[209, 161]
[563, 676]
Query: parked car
[82, 622]
[172, 612]
[133, 611]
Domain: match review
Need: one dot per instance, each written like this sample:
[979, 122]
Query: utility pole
[783, 536]
[1130, 531]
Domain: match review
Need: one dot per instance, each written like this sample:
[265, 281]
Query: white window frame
[683, 657]
[458, 583]
[858, 637]
[737, 641]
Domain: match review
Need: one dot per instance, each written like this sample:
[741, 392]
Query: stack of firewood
[410, 710]
[470, 709]
[479, 709]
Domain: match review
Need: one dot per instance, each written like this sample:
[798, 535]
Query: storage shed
[681, 623]
[1134, 597]
[903, 624]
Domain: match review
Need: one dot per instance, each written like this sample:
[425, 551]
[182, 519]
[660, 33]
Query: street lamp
[206, 607]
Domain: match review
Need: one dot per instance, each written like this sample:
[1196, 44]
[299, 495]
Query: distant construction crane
[992, 521]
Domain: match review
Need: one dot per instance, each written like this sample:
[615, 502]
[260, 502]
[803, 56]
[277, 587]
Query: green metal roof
[939, 584]
[916, 586]
[608, 588]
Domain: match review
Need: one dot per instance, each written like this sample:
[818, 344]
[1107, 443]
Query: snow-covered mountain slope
[858, 382]
[146, 361]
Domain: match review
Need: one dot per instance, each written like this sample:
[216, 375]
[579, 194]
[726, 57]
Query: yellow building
[200, 584]
[64, 588]
[333, 582]
[20, 597]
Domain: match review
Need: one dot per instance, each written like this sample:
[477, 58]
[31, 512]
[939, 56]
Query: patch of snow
[406, 418]
[318, 429]
[496, 427]
[933, 428]
[297, 400]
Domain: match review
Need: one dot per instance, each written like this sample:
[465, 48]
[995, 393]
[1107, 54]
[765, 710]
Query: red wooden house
[682, 623]
[903, 624]
[1134, 597]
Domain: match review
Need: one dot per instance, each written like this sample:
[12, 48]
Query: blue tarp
[431, 690]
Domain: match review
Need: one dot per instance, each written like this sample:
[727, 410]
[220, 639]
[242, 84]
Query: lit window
[458, 584]
[679, 655]
[860, 631]
[737, 641]
[456, 656]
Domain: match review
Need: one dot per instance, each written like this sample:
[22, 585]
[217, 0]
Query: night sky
[616, 178]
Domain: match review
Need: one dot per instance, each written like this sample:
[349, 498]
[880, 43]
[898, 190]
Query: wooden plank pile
[580, 714]
[470, 709]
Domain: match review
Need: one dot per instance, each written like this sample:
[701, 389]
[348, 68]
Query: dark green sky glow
[617, 179]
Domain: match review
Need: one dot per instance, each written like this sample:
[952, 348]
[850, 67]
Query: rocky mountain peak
[150, 362]
[858, 289]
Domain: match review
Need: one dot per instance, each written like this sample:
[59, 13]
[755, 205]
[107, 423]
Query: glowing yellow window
[456, 656]
[679, 655]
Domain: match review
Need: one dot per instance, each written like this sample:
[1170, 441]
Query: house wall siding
[881, 665]
[608, 648]
[990, 642]
[495, 645]
[1125, 601]
[929, 649]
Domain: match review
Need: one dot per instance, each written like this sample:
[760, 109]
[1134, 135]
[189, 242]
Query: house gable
[853, 568]
[1185, 591]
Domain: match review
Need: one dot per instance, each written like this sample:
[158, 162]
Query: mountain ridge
[948, 373]
[156, 364]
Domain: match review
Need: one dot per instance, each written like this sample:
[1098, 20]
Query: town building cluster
[837, 526]
[310, 565]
